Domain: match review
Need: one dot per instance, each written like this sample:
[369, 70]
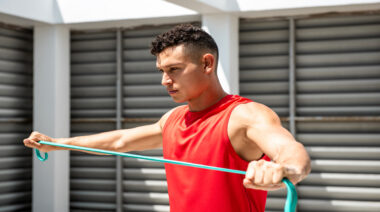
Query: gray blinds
[93, 106]
[16, 69]
[336, 102]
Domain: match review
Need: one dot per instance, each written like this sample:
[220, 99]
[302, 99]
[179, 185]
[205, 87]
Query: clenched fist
[32, 142]
[264, 175]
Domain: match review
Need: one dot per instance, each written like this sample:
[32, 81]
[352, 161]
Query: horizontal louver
[16, 55]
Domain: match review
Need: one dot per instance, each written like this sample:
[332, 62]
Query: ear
[208, 62]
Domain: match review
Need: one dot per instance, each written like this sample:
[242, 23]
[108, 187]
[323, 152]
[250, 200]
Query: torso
[204, 138]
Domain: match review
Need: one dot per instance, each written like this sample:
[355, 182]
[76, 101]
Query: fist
[32, 142]
[264, 175]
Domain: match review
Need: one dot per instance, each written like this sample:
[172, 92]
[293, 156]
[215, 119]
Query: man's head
[195, 40]
[187, 58]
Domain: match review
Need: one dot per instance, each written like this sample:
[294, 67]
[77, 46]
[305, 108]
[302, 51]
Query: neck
[208, 98]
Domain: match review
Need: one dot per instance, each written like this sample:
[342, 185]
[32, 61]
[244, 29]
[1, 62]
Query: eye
[171, 70]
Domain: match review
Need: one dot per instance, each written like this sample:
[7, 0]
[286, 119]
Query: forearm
[296, 161]
[139, 138]
[105, 140]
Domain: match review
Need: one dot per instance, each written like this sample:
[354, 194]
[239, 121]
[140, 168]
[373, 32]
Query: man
[214, 128]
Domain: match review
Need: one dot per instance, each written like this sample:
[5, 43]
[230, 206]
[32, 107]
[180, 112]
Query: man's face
[182, 74]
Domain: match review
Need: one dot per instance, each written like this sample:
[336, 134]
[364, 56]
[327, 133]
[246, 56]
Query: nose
[166, 80]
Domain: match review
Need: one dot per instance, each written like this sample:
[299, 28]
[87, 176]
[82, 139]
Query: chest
[198, 142]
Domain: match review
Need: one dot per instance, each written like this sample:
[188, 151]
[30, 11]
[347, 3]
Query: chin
[178, 100]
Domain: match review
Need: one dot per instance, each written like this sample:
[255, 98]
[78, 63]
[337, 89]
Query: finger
[31, 143]
[267, 174]
[251, 170]
[259, 174]
[272, 187]
[278, 174]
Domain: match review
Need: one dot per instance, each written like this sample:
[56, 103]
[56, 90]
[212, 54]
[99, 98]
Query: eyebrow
[167, 66]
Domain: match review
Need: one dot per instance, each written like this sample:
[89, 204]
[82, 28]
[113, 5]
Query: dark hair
[191, 36]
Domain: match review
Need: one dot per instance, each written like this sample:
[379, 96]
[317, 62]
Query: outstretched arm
[135, 139]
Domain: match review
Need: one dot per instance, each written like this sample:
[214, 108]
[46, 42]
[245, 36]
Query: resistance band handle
[40, 157]
[291, 198]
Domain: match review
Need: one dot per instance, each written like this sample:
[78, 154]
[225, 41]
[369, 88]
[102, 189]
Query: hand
[32, 142]
[264, 175]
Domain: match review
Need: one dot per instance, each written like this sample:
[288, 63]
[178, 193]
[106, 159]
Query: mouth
[172, 91]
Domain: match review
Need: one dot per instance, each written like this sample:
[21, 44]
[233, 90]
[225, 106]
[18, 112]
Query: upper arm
[143, 137]
[262, 129]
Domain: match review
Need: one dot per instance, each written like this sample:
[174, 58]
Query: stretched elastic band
[291, 199]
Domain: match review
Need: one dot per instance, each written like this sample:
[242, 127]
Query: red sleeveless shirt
[201, 137]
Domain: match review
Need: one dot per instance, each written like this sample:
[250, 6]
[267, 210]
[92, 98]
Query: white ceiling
[86, 11]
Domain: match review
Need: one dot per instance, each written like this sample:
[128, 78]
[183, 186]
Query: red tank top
[201, 137]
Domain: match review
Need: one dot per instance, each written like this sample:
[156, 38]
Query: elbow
[119, 146]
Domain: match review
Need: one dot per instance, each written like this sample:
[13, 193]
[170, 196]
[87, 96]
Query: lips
[172, 91]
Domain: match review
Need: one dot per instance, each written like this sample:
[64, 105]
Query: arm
[135, 139]
[263, 133]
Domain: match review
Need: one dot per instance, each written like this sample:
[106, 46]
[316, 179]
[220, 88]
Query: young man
[214, 128]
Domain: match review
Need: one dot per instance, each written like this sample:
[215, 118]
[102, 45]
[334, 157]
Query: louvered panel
[92, 181]
[337, 74]
[93, 97]
[93, 61]
[16, 92]
[263, 63]
[345, 165]
[347, 48]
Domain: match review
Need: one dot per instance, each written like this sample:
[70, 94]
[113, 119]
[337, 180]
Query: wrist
[60, 141]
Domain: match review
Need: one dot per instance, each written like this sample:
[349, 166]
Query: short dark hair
[187, 34]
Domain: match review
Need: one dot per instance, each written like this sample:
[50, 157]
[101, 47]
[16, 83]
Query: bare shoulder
[254, 113]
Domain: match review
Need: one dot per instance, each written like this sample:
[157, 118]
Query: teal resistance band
[291, 199]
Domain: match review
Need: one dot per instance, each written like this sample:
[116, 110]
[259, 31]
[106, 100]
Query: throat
[200, 104]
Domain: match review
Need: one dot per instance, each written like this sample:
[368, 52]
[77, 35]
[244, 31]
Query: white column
[224, 28]
[51, 109]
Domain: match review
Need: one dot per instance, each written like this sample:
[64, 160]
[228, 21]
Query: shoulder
[254, 113]
[166, 116]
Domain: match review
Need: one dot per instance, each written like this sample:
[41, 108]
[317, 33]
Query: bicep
[272, 139]
[268, 134]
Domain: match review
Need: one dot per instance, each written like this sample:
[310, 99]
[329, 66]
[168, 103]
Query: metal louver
[264, 63]
[338, 74]
[337, 105]
[16, 77]
[93, 110]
